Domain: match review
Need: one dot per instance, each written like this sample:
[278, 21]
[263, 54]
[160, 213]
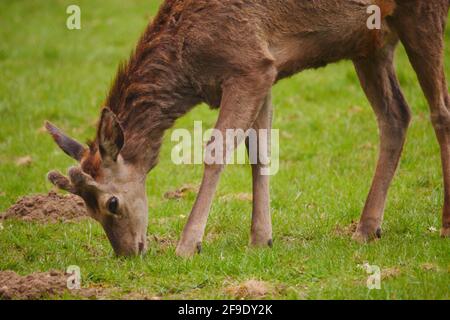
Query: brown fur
[159, 83]
[229, 53]
[377, 38]
[91, 162]
[387, 7]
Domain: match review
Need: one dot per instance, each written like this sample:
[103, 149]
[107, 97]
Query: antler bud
[60, 181]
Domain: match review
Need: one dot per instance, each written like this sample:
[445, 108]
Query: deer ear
[110, 135]
[70, 146]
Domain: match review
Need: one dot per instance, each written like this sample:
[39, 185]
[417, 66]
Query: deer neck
[148, 96]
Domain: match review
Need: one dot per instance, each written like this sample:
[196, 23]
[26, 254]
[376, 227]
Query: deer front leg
[242, 100]
[378, 79]
[191, 239]
[261, 231]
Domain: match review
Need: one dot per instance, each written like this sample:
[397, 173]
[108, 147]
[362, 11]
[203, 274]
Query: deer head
[113, 190]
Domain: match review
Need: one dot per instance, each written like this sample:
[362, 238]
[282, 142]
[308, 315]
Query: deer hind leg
[261, 230]
[242, 100]
[421, 29]
[378, 79]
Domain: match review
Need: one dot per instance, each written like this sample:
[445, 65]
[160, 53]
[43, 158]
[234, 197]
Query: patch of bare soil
[47, 208]
[139, 296]
[386, 274]
[24, 161]
[182, 192]
[237, 197]
[430, 267]
[41, 285]
[345, 231]
[389, 273]
[250, 289]
[162, 243]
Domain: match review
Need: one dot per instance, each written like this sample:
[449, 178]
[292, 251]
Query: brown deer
[229, 54]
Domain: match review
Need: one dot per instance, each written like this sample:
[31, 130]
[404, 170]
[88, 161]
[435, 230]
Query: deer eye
[113, 205]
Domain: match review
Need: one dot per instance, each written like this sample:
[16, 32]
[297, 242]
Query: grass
[328, 152]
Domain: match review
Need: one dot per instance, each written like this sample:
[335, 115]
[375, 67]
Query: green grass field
[328, 150]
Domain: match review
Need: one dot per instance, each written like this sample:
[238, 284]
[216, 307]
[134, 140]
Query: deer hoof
[188, 251]
[199, 247]
[359, 237]
[379, 233]
[261, 243]
[445, 232]
[365, 237]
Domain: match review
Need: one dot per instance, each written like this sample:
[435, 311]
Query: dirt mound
[388, 273]
[251, 289]
[345, 231]
[40, 285]
[182, 192]
[47, 208]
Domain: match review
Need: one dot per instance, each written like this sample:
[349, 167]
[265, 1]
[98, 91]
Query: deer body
[288, 36]
[229, 53]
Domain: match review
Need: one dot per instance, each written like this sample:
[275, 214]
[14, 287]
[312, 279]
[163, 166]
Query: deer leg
[261, 230]
[378, 79]
[242, 100]
[424, 43]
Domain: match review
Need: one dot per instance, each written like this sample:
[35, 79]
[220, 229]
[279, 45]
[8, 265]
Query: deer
[229, 54]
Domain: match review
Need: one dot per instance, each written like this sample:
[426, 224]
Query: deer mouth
[138, 249]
